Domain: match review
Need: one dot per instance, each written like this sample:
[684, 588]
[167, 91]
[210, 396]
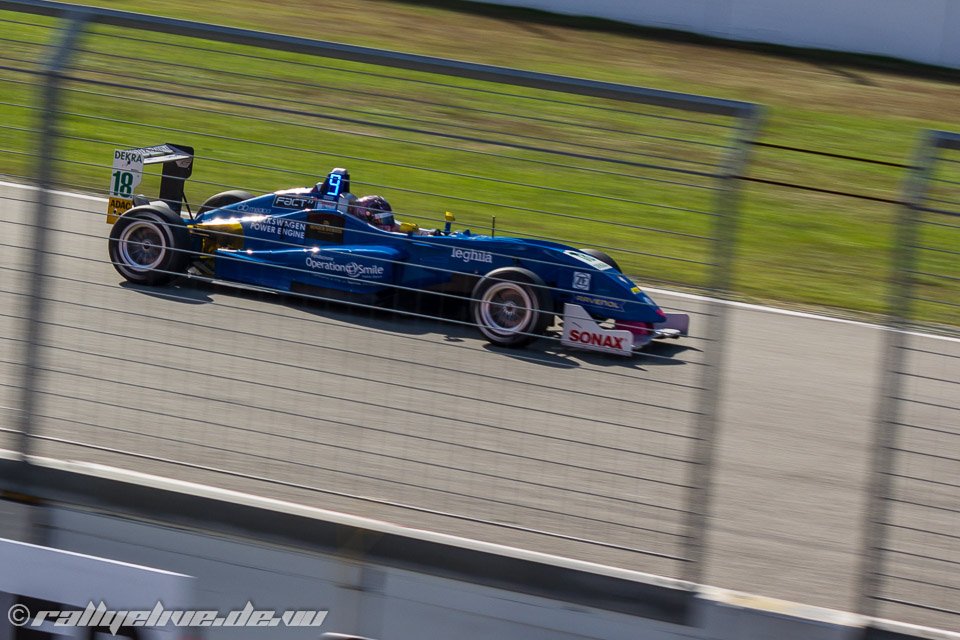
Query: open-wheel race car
[318, 241]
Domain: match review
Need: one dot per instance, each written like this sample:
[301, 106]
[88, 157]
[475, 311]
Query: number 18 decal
[126, 175]
[127, 172]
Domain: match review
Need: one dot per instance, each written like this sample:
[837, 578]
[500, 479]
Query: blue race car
[311, 240]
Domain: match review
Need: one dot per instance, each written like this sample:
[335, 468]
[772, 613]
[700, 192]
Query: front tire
[602, 257]
[510, 307]
[149, 245]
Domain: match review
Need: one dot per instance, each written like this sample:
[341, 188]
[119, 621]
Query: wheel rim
[506, 309]
[142, 246]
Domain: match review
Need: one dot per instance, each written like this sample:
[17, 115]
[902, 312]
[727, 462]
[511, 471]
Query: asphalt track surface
[365, 411]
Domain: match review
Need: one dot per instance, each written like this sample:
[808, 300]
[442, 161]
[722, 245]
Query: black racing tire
[602, 257]
[511, 307]
[149, 245]
[223, 199]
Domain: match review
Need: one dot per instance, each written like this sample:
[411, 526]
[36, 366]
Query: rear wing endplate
[177, 161]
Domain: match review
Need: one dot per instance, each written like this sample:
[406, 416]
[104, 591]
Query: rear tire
[149, 245]
[510, 307]
[223, 199]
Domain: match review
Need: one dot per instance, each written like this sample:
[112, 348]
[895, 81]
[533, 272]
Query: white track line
[795, 314]
[688, 296]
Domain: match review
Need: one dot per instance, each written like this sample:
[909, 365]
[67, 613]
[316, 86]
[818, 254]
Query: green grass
[795, 246]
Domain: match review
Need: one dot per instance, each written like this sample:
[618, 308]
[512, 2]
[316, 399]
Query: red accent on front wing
[636, 328]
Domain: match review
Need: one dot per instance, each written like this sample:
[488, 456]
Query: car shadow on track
[183, 291]
[551, 353]
[419, 316]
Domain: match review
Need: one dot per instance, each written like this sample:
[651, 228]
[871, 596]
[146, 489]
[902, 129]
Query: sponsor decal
[280, 227]
[159, 150]
[582, 331]
[471, 255]
[349, 269]
[127, 157]
[581, 280]
[325, 227]
[294, 202]
[116, 207]
[592, 339]
[590, 260]
[599, 302]
[125, 175]
[246, 208]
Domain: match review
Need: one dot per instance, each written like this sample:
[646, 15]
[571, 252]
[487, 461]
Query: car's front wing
[581, 331]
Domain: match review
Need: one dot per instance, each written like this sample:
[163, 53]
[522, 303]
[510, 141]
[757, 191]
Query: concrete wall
[379, 580]
[365, 599]
[918, 30]
[36, 578]
[380, 602]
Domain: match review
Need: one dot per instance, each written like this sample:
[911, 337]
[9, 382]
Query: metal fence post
[723, 258]
[50, 97]
[898, 316]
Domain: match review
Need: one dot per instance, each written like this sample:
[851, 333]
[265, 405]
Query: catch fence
[403, 414]
[912, 555]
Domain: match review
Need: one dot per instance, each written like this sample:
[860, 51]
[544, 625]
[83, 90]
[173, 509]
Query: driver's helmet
[375, 210]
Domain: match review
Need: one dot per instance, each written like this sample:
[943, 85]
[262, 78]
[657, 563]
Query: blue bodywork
[319, 248]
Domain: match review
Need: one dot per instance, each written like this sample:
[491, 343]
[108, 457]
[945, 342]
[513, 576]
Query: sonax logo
[597, 339]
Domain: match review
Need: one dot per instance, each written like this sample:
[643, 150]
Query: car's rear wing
[127, 172]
